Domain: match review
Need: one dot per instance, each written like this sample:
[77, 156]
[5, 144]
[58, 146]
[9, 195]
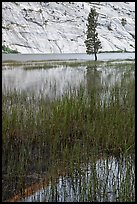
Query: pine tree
[92, 42]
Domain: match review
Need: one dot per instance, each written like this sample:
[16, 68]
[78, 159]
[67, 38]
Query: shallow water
[53, 83]
[106, 175]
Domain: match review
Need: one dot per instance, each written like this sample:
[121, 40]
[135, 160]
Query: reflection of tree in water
[93, 79]
[103, 82]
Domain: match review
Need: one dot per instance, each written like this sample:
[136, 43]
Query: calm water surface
[53, 83]
[67, 56]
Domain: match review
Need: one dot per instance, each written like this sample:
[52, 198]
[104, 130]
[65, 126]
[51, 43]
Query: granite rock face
[60, 27]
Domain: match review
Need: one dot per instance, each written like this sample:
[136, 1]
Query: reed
[35, 130]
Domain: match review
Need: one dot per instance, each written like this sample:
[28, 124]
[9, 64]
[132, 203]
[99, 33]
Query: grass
[106, 179]
[28, 65]
[54, 64]
[37, 132]
[71, 116]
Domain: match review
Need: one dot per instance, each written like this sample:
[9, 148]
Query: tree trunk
[95, 56]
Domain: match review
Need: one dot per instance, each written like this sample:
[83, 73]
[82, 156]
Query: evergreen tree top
[92, 42]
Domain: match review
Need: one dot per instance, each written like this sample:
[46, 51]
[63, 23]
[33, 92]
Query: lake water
[53, 83]
[80, 185]
[67, 56]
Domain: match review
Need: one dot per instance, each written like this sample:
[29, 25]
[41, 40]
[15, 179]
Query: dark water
[106, 175]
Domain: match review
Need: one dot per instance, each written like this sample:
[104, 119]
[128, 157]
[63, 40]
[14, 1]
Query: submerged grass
[35, 130]
[107, 179]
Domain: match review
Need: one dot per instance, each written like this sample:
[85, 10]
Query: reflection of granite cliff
[52, 83]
